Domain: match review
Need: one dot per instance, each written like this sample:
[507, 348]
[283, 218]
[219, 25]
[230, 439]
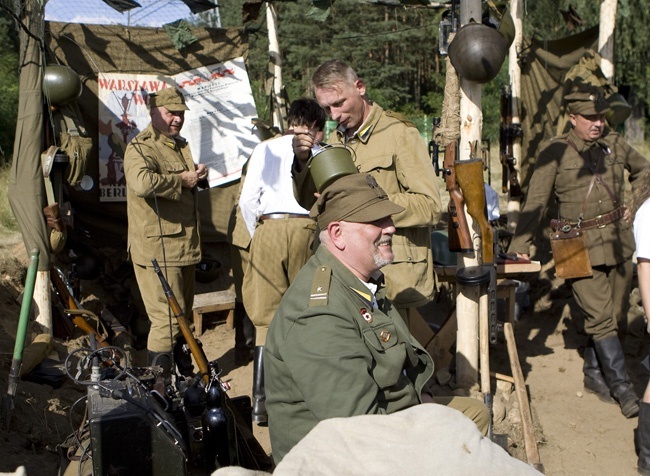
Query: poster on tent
[218, 122]
[122, 114]
[217, 125]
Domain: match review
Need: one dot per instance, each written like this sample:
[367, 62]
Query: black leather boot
[594, 381]
[612, 361]
[259, 414]
[643, 439]
[244, 335]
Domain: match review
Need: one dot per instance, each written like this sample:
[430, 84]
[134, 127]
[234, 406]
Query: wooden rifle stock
[73, 310]
[460, 238]
[469, 174]
[184, 326]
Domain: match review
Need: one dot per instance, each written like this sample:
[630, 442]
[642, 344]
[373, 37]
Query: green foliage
[8, 86]
[7, 220]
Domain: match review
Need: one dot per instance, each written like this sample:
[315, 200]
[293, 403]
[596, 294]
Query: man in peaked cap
[337, 347]
[585, 170]
[162, 208]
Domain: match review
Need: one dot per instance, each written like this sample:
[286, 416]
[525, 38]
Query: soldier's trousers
[604, 298]
[164, 328]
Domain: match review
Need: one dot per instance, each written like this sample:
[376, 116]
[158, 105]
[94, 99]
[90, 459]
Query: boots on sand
[612, 361]
[259, 414]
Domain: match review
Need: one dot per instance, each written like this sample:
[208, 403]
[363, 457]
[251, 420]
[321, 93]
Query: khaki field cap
[355, 198]
[170, 98]
[587, 101]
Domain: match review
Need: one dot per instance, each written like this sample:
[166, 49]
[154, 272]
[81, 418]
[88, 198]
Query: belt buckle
[600, 224]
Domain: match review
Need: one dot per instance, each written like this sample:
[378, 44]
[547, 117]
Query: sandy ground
[575, 432]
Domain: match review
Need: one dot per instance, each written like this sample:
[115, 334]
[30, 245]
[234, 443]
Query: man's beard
[380, 261]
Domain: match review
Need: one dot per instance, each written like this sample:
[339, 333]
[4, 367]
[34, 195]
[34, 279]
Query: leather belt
[601, 221]
[281, 216]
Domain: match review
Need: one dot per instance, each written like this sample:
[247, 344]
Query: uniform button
[384, 336]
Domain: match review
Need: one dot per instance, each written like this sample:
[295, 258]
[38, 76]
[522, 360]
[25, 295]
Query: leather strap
[281, 216]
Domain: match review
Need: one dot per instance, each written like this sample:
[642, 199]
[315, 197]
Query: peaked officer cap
[170, 98]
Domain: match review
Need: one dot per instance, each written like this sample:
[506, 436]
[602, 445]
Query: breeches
[164, 327]
[604, 298]
[278, 250]
[472, 408]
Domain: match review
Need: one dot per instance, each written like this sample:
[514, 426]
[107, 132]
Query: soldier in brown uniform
[585, 170]
[390, 148]
[162, 207]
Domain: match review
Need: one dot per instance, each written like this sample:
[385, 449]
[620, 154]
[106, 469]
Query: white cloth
[268, 186]
[422, 440]
[642, 229]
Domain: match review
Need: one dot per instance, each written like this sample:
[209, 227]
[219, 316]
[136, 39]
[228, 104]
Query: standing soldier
[585, 169]
[162, 207]
[389, 147]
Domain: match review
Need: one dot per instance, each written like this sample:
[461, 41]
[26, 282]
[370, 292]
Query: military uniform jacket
[329, 354]
[153, 163]
[564, 167]
[391, 149]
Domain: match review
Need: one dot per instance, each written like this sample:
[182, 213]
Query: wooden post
[606, 37]
[42, 299]
[275, 65]
[467, 303]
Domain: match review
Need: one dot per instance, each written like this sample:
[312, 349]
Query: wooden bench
[213, 302]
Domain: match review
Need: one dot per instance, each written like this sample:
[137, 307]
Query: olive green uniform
[391, 149]
[331, 353]
[163, 224]
[564, 167]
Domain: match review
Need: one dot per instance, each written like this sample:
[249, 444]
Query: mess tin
[329, 164]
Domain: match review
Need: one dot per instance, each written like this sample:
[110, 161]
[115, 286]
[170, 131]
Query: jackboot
[643, 439]
[258, 413]
[593, 378]
[612, 360]
[163, 360]
[244, 335]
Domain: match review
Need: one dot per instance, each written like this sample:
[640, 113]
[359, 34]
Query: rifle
[247, 450]
[508, 131]
[434, 149]
[74, 311]
[460, 238]
[470, 179]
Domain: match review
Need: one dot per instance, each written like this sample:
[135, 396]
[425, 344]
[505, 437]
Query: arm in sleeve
[419, 186]
[145, 176]
[332, 372]
[539, 193]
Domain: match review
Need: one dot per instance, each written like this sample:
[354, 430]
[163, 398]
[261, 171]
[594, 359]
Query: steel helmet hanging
[477, 52]
[61, 85]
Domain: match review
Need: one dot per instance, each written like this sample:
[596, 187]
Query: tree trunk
[606, 37]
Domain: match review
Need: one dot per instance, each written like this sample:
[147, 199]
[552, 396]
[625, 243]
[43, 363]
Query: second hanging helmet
[477, 52]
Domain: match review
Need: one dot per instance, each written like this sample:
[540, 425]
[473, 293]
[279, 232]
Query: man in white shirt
[282, 232]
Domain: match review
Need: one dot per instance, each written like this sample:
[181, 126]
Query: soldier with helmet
[585, 170]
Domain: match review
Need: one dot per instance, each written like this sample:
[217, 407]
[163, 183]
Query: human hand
[201, 171]
[525, 256]
[189, 178]
[627, 214]
[302, 144]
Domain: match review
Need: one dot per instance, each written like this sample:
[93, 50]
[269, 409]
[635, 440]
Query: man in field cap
[337, 347]
[585, 171]
[162, 209]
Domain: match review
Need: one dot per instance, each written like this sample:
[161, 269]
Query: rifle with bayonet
[508, 132]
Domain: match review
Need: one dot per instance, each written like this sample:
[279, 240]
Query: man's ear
[572, 118]
[360, 86]
[335, 233]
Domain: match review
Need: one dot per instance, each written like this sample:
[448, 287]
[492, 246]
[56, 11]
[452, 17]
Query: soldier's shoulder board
[320, 286]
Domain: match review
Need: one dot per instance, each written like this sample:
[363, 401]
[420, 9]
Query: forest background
[393, 47]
